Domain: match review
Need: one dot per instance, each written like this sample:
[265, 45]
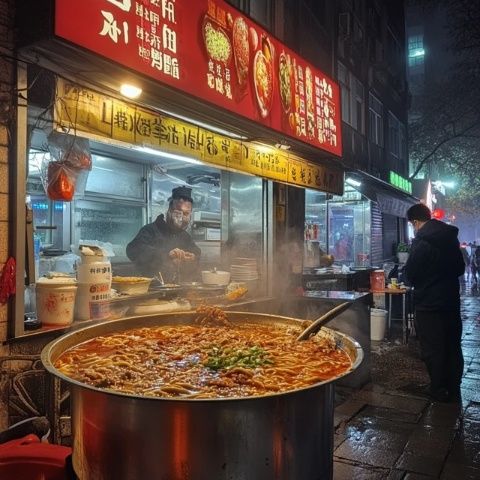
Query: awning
[390, 200]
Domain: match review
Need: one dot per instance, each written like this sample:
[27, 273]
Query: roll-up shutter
[376, 253]
[390, 235]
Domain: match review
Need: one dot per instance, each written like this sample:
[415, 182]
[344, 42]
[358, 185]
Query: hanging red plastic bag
[7, 281]
[60, 181]
[64, 173]
[73, 151]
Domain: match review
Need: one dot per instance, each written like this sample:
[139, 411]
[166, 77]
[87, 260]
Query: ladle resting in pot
[315, 326]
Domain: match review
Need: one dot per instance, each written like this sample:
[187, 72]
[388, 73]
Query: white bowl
[218, 277]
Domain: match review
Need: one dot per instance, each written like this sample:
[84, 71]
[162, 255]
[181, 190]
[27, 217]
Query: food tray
[157, 292]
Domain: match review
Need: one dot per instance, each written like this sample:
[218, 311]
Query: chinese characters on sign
[211, 51]
[153, 29]
[104, 116]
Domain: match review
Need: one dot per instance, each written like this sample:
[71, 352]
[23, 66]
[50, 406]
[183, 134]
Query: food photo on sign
[237, 59]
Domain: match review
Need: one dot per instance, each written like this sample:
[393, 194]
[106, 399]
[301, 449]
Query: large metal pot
[287, 436]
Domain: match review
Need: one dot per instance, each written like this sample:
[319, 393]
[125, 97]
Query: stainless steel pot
[287, 436]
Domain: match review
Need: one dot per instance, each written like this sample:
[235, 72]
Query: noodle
[204, 361]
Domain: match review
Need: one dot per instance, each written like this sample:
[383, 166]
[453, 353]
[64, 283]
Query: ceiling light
[353, 182]
[282, 146]
[172, 156]
[130, 91]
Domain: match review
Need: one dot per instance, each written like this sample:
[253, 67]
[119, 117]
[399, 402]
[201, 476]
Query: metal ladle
[159, 277]
[315, 326]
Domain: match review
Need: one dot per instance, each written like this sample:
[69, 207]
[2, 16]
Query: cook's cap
[182, 192]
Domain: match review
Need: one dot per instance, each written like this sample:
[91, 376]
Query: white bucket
[55, 301]
[94, 272]
[93, 301]
[378, 323]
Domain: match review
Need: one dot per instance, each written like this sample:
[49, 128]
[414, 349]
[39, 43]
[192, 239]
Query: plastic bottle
[37, 246]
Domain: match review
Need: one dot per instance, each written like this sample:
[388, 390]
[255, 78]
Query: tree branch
[438, 146]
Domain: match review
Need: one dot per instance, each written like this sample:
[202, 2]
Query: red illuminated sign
[209, 50]
[438, 213]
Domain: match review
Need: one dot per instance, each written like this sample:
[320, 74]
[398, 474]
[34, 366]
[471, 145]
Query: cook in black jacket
[164, 245]
[433, 267]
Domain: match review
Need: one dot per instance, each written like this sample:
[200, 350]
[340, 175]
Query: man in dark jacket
[164, 245]
[433, 267]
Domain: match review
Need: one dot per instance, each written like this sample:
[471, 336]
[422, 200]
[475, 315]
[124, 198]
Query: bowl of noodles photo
[217, 43]
[285, 81]
[263, 82]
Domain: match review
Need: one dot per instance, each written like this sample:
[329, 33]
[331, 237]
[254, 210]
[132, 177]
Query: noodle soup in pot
[226, 360]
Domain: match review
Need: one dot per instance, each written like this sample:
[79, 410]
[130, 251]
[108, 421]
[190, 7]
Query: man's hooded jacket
[434, 265]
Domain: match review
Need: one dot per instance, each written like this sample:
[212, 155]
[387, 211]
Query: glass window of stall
[127, 189]
[113, 206]
[108, 207]
[316, 217]
[349, 231]
[337, 225]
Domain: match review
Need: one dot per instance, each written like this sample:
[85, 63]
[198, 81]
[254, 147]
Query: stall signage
[79, 109]
[210, 50]
[402, 183]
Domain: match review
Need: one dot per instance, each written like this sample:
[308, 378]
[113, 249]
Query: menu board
[210, 50]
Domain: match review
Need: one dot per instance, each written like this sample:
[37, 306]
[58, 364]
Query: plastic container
[94, 268]
[29, 457]
[55, 301]
[94, 276]
[94, 272]
[93, 301]
[377, 280]
[378, 324]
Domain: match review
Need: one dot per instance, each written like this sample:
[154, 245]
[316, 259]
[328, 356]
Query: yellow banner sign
[83, 110]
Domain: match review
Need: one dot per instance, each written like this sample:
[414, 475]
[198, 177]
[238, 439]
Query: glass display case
[339, 226]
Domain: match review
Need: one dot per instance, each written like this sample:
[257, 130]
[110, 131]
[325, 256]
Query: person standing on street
[475, 262]
[467, 259]
[433, 267]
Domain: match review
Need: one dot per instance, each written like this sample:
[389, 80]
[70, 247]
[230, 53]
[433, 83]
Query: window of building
[397, 137]
[403, 142]
[395, 53]
[358, 104]
[353, 99]
[261, 11]
[416, 50]
[318, 9]
[375, 120]
[344, 80]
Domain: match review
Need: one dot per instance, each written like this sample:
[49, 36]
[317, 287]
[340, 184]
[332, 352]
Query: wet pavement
[390, 429]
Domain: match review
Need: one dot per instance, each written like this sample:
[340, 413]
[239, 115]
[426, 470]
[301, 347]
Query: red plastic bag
[60, 181]
[7, 281]
[71, 150]
[65, 171]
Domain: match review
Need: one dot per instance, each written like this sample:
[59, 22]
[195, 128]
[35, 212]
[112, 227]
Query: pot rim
[138, 321]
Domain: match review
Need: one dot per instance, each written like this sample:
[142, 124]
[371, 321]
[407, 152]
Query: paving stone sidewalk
[391, 430]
